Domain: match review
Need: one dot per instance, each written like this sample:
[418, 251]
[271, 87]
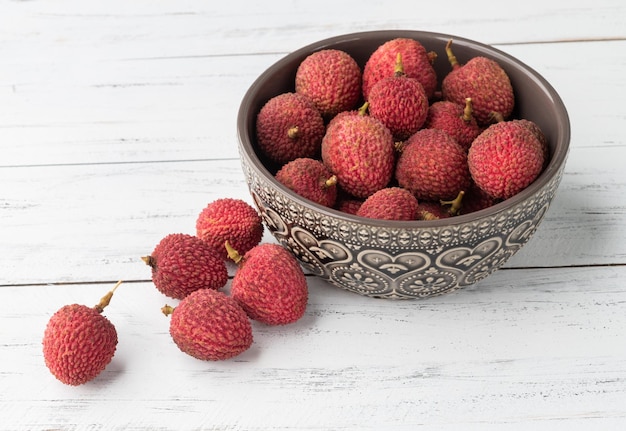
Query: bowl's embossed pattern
[394, 261]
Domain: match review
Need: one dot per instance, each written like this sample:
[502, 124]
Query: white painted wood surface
[117, 126]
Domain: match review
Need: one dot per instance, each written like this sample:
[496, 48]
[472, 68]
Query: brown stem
[496, 117]
[293, 132]
[232, 253]
[432, 56]
[363, 109]
[427, 215]
[468, 110]
[455, 204]
[451, 57]
[167, 310]
[332, 181]
[149, 260]
[398, 69]
[106, 299]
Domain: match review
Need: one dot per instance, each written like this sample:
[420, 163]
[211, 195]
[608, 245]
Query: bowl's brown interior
[536, 100]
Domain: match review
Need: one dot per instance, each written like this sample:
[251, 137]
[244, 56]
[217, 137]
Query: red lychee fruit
[418, 64]
[269, 284]
[331, 78]
[359, 150]
[399, 102]
[229, 219]
[484, 81]
[433, 166]
[209, 325]
[455, 119]
[505, 158]
[289, 126]
[184, 263]
[349, 205]
[391, 203]
[311, 179]
[79, 342]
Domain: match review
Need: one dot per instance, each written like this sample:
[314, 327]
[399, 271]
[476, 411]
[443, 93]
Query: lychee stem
[455, 204]
[106, 299]
[293, 132]
[149, 260]
[451, 57]
[167, 310]
[232, 253]
[427, 215]
[363, 109]
[432, 56]
[330, 182]
[399, 146]
[496, 117]
[468, 110]
[398, 69]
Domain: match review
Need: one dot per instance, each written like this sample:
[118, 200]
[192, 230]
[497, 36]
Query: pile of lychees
[208, 323]
[386, 141]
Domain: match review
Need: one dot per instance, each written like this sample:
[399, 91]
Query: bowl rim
[555, 165]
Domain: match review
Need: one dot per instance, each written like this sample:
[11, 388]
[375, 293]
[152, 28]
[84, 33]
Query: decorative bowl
[404, 259]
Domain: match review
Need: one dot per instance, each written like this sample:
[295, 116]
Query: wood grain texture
[547, 352]
[117, 126]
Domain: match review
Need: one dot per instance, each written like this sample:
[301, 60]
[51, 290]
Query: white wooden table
[117, 126]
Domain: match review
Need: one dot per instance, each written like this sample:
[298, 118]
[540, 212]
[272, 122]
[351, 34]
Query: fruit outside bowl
[404, 259]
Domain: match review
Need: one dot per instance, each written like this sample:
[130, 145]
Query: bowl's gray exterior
[402, 260]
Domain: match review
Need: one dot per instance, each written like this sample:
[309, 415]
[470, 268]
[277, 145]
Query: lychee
[484, 81]
[269, 284]
[391, 203]
[331, 78]
[229, 219]
[184, 263]
[418, 64]
[505, 158]
[289, 126]
[359, 150]
[348, 204]
[209, 325]
[433, 166]
[399, 102]
[457, 120]
[311, 179]
[79, 342]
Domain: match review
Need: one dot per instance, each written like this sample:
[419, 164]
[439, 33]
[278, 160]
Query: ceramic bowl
[404, 259]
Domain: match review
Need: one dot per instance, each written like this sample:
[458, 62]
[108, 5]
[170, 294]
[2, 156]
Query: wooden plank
[539, 348]
[92, 222]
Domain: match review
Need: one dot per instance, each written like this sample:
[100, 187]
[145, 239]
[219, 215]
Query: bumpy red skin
[270, 285]
[183, 263]
[359, 150]
[210, 326]
[433, 166]
[232, 220]
[415, 60]
[486, 83]
[349, 205]
[448, 116]
[505, 159]
[331, 78]
[308, 178]
[78, 344]
[278, 116]
[392, 203]
[400, 103]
